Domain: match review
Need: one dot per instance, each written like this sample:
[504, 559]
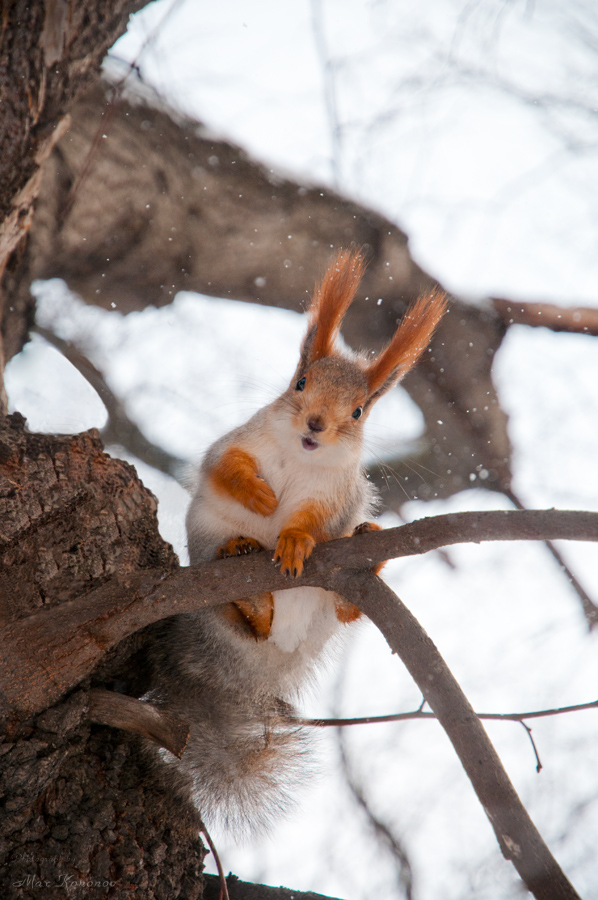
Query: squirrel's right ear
[330, 302]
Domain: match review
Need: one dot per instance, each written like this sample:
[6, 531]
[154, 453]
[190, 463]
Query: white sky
[498, 196]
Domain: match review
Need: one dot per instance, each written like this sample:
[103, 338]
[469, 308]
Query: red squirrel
[290, 477]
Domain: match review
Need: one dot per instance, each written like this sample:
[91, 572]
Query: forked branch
[48, 653]
[517, 835]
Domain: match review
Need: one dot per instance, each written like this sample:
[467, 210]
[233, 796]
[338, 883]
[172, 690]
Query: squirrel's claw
[292, 549]
[239, 546]
[364, 528]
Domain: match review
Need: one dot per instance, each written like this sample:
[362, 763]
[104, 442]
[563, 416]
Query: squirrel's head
[333, 389]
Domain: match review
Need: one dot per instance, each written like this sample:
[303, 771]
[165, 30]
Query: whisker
[387, 472]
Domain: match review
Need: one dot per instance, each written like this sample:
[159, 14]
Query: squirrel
[287, 479]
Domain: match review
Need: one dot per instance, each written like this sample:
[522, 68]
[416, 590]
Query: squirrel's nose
[315, 423]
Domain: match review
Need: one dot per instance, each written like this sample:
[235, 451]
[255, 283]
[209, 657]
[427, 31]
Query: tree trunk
[81, 808]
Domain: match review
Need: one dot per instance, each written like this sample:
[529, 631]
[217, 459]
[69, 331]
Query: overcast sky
[472, 125]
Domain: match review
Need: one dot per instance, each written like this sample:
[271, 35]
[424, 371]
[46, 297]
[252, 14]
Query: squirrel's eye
[357, 412]
[300, 384]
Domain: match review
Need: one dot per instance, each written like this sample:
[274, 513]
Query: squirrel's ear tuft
[409, 342]
[330, 302]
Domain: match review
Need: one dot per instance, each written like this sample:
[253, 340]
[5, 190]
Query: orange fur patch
[331, 300]
[299, 536]
[346, 612]
[236, 474]
[253, 615]
[409, 342]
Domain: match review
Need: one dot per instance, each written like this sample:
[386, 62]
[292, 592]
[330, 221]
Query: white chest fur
[304, 618]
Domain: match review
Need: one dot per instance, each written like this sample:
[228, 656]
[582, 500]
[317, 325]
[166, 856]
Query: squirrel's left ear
[409, 342]
[330, 302]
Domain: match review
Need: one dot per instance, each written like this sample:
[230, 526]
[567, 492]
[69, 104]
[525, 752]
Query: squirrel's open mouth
[309, 444]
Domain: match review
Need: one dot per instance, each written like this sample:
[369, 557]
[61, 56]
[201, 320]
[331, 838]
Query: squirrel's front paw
[262, 499]
[239, 546]
[294, 546]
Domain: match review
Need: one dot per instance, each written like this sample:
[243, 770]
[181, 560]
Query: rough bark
[83, 815]
[70, 518]
[80, 808]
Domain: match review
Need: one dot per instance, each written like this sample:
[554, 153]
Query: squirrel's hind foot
[364, 528]
[239, 546]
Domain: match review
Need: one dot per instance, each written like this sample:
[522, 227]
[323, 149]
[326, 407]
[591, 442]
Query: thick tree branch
[577, 320]
[48, 653]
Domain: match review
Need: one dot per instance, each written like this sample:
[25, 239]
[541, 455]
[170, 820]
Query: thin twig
[221, 875]
[380, 828]
[420, 714]
[330, 100]
[533, 743]
[119, 428]
[116, 91]
[588, 606]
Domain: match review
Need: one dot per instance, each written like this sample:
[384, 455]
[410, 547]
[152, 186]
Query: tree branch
[49, 652]
[138, 717]
[46, 653]
[517, 835]
[424, 714]
[577, 320]
[119, 429]
[588, 606]
[243, 890]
